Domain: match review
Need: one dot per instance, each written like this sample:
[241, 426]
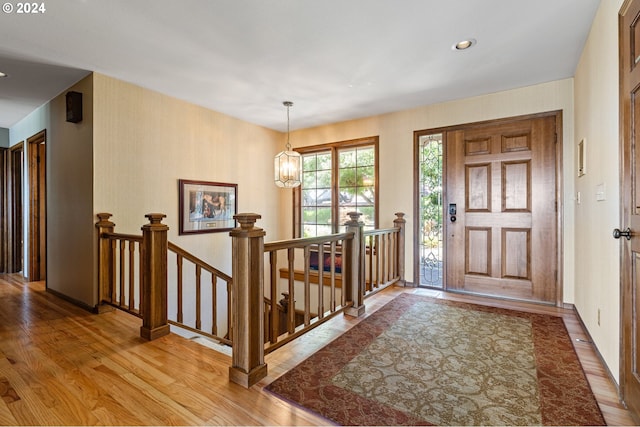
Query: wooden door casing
[37, 240]
[502, 177]
[629, 43]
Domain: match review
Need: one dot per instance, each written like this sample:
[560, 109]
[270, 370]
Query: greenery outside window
[337, 178]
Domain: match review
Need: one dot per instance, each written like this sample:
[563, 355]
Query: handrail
[379, 231]
[121, 236]
[305, 241]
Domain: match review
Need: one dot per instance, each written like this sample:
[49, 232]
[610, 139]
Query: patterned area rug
[424, 361]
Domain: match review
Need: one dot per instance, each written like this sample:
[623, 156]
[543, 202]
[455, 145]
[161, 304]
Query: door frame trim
[559, 186]
[15, 216]
[36, 236]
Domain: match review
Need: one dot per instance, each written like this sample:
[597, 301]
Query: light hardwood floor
[60, 365]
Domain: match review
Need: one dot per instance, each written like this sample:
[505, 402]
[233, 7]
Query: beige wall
[145, 141]
[396, 149]
[597, 253]
[69, 199]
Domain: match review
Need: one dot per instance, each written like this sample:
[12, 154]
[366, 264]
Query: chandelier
[288, 163]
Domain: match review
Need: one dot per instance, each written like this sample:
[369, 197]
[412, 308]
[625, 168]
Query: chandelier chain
[288, 104]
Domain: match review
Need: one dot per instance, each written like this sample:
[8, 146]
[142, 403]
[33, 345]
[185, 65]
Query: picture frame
[206, 207]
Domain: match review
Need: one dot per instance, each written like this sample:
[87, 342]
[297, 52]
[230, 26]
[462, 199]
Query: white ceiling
[335, 59]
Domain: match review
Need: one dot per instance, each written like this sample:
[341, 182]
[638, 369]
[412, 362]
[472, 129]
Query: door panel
[629, 39]
[502, 176]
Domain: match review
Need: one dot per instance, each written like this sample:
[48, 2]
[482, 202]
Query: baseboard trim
[598, 354]
[73, 301]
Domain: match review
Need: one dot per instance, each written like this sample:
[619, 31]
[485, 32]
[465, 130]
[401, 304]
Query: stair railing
[136, 281]
[133, 277]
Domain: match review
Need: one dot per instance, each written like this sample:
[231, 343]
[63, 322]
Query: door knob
[626, 233]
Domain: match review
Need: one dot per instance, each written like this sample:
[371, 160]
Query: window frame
[334, 148]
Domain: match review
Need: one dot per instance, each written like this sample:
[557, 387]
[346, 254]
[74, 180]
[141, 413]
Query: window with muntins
[337, 178]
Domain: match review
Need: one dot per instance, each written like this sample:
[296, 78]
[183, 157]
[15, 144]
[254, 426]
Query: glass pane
[366, 175]
[323, 230]
[347, 177]
[324, 161]
[323, 179]
[346, 197]
[309, 215]
[308, 179]
[366, 156]
[431, 211]
[347, 158]
[365, 196]
[368, 215]
[309, 162]
[323, 197]
[324, 215]
[309, 230]
[309, 197]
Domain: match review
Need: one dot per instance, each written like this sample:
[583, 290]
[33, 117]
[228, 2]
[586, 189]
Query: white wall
[597, 253]
[396, 150]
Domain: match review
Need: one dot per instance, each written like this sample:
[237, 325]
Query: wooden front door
[501, 208]
[629, 28]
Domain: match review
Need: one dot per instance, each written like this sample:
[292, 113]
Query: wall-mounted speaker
[74, 107]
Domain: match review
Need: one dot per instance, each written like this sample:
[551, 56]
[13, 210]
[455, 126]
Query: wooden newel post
[105, 262]
[400, 223]
[354, 286]
[247, 308]
[154, 278]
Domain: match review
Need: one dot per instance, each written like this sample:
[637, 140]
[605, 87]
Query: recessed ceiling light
[464, 44]
[2, 74]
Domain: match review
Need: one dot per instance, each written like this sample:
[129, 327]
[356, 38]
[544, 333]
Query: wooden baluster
[382, 257]
[393, 250]
[248, 365]
[179, 261]
[132, 271]
[332, 297]
[140, 275]
[371, 258]
[122, 273]
[198, 297]
[274, 321]
[214, 304]
[154, 301]
[307, 286]
[229, 310]
[400, 222]
[105, 261]
[346, 259]
[112, 286]
[378, 253]
[353, 280]
[320, 281]
[291, 314]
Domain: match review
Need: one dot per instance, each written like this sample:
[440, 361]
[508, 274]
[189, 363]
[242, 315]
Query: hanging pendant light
[288, 163]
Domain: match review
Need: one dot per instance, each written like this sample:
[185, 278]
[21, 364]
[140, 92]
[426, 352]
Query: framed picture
[207, 207]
